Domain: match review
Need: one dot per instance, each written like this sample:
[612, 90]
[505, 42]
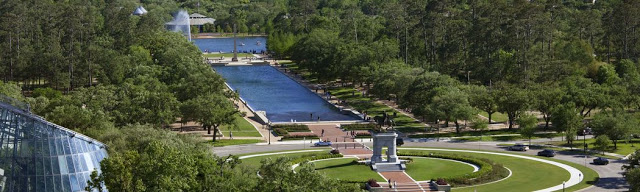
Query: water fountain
[181, 24]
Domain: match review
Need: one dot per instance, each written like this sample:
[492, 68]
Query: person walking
[322, 135]
[395, 184]
[230, 135]
[390, 184]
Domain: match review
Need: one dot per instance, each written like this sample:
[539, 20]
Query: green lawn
[254, 162]
[226, 55]
[423, 169]
[344, 169]
[243, 129]
[225, 142]
[624, 148]
[528, 175]
[496, 117]
[403, 122]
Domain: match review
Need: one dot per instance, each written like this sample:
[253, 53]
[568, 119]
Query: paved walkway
[402, 181]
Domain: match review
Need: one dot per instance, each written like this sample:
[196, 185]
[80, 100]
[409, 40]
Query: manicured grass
[529, 175]
[624, 148]
[355, 99]
[525, 173]
[254, 162]
[344, 169]
[423, 169]
[225, 142]
[226, 55]
[496, 117]
[243, 129]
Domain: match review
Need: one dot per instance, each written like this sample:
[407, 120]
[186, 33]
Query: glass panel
[52, 147]
[59, 147]
[81, 181]
[50, 185]
[66, 182]
[59, 187]
[55, 166]
[88, 161]
[83, 163]
[63, 165]
[47, 165]
[76, 164]
[74, 183]
[39, 166]
[41, 183]
[70, 164]
[65, 145]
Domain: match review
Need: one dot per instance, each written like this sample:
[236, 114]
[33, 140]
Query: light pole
[269, 126]
[563, 183]
[438, 127]
[584, 141]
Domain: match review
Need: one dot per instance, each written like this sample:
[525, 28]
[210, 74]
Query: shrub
[293, 127]
[300, 136]
[314, 157]
[334, 151]
[441, 181]
[373, 183]
[363, 135]
[367, 126]
[281, 132]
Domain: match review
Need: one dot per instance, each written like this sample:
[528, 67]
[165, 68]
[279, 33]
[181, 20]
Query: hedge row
[297, 137]
[489, 170]
[292, 127]
[364, 126]
[280, 131]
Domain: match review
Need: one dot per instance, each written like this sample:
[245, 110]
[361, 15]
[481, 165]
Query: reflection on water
[266, 89]
[251, 44]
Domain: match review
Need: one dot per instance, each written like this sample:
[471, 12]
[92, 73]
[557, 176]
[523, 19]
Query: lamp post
[563, 183]
[584, 141]
[438, 127]
[269, 126]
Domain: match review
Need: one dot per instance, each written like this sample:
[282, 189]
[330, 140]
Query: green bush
[313, 158]
[366, 126]
[293, 127]
[280, 131]
[489, 171]
[299, 137]
[48, 92]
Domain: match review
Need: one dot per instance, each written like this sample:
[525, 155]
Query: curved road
[611, 178]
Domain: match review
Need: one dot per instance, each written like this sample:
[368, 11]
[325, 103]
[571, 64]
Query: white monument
[391, 163]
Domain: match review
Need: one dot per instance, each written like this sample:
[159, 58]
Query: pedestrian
[395, 184]
[318, 118]
[230, 135]
[311, 116]
[390, 184]
[322, 135]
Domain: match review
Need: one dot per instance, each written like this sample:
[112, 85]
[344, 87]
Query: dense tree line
[447, 60]
[124, 79]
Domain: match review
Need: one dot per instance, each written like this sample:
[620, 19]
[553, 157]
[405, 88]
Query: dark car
[600, 161]
[547, 153]
[399, 141]
[322, 143]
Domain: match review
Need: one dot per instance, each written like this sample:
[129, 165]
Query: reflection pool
[264, 88]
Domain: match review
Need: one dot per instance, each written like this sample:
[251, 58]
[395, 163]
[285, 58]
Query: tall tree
[211, 111]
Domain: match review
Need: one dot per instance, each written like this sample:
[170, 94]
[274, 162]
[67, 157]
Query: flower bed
[298, 136]
[489, 170]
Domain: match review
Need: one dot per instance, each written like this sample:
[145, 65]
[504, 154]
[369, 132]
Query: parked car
[322, 143]
[399, 141]
[518, 147]
[547, 153]
[600, 161]
[585, 131]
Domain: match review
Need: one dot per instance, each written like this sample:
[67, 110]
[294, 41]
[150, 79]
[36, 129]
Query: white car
[518, 147]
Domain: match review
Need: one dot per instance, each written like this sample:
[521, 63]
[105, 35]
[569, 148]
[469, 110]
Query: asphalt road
[611, 178]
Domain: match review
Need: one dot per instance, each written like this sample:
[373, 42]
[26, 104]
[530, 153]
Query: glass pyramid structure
[37, 155]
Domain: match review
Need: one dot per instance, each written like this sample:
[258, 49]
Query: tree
[483, 99]
[278, 176]
[211, 111]
[528, 124]
[633, 178]
[617, 126]
[512, 101]
[547, 97]
[452, 104]
[566, 119]
[602, 143]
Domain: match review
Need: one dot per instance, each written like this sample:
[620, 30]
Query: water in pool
[267, 89]
[225, 45]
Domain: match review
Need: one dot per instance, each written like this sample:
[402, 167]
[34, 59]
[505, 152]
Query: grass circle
[423, 169]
